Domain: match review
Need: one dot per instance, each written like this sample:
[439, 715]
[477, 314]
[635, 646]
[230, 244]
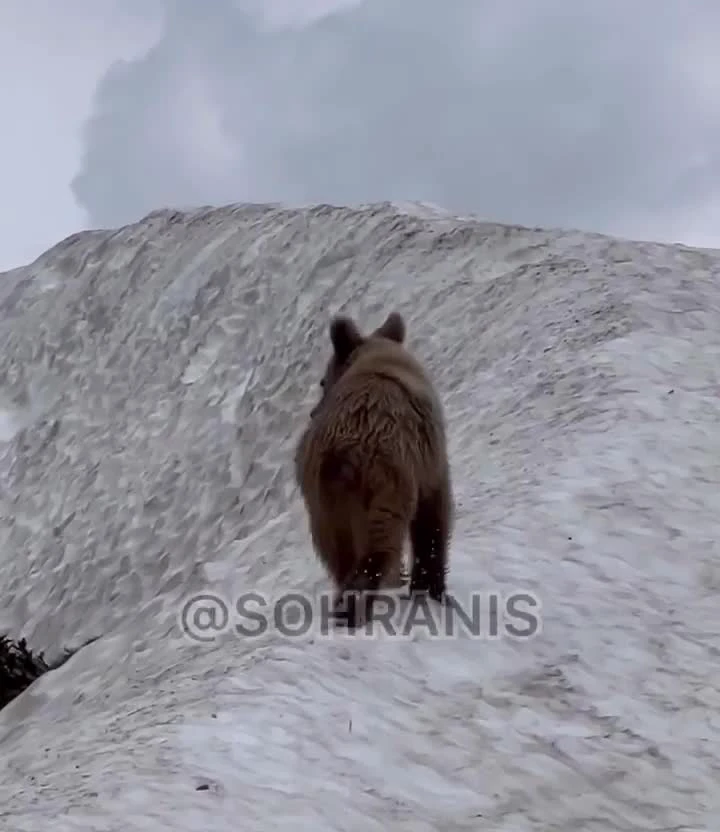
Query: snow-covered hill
[154, 380]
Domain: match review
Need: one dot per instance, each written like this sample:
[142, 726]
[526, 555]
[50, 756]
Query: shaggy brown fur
[372, 467]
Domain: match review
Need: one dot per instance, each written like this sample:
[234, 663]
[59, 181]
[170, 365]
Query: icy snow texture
[154, 380]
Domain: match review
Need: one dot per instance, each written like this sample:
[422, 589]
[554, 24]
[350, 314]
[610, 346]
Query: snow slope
[153, 382]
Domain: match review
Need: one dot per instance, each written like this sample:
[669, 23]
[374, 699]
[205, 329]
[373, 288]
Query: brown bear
[372, 467]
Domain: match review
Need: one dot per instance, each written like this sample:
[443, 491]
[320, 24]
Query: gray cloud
[51, 55]
[595, 115]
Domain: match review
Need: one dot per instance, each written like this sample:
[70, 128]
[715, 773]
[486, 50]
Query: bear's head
[347, 341]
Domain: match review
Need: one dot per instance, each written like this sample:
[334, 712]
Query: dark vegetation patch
[20, 667]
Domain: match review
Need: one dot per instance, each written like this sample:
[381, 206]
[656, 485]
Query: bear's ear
[393, 328]
[345, 336]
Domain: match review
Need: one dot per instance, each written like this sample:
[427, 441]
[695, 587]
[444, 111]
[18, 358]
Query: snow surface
[153, 382]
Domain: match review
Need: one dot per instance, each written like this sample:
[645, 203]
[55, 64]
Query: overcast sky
[599, 114]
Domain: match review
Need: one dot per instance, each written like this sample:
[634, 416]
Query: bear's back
[384, 403]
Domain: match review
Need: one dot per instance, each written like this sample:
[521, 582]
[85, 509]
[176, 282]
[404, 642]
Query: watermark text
[488, 615]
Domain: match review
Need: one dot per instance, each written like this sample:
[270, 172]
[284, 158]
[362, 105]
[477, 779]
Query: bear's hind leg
[429, 536]
[386, 535]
